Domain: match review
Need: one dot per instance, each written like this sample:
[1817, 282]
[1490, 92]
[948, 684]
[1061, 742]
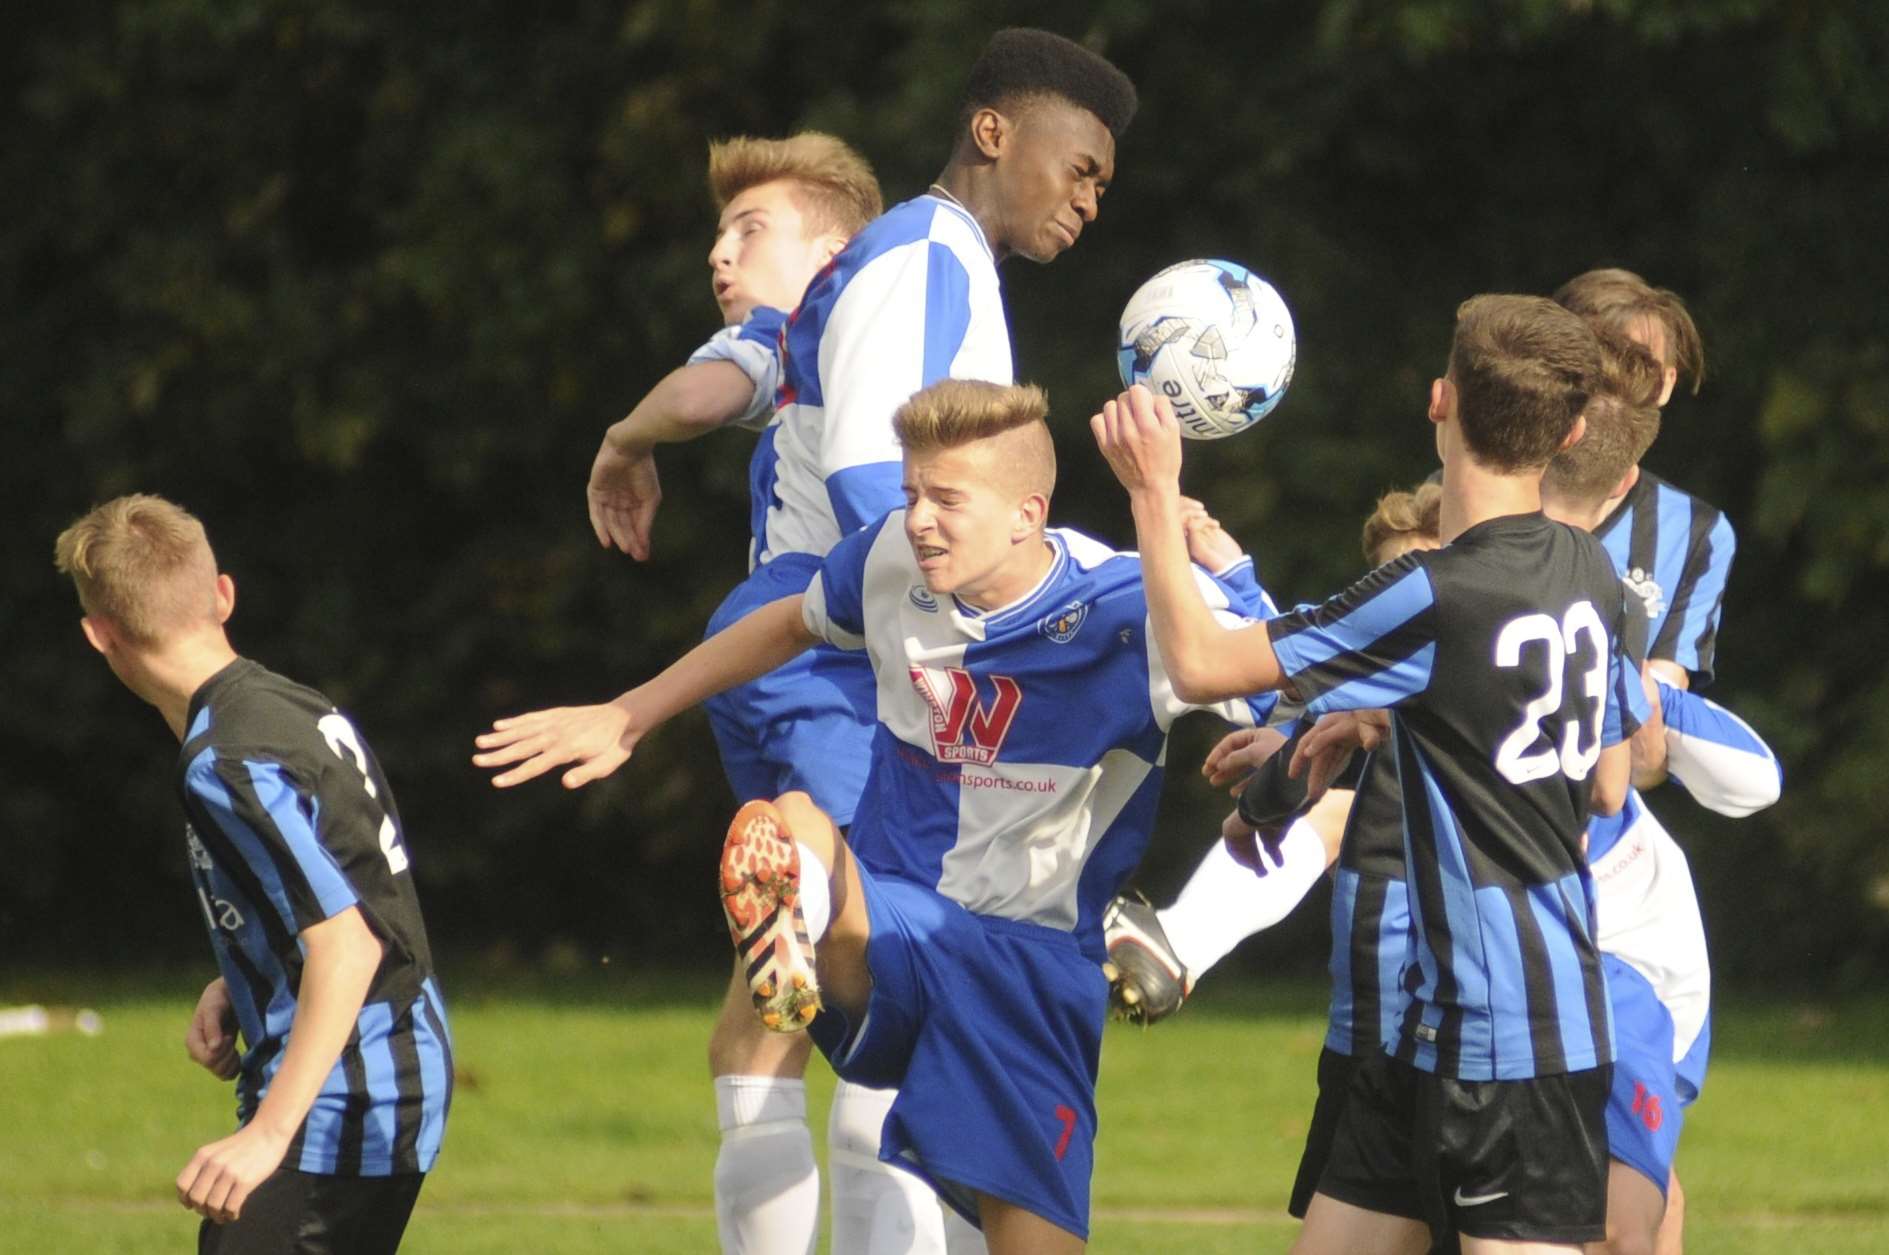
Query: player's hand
[623, 495]
[599, 739]
[1208, 544]
[211, 1038]
[1139, 435]
[1324, 751]
[1238, 755]
[219, 1177]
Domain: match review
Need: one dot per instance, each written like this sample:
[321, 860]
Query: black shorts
[303, 1213]
[1518, 1160]
[1334, 1082]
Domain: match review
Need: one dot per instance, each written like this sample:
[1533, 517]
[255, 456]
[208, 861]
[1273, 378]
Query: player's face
[763, 254]
[964, 525]
[1055, 164]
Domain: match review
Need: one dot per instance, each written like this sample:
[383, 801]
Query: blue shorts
[991, 1031]
[1645, 1110]
[1690, 1070]
[807, 725]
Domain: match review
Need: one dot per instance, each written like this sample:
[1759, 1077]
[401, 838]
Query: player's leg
[1336, 1228]
[1240, 888]
[315, 1214]
[767, 1183]
[1672, 1226]
[1010, 1230]
[1635, 1208]
[1510, 1246]
[878, 1208]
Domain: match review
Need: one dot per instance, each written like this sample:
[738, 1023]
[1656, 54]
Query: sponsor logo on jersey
[963, 728]
[199, 857]
[1642, 585]
[922, 598]
[1063, 625]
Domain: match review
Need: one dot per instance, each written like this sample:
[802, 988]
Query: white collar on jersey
[977, 623]
[938, 193]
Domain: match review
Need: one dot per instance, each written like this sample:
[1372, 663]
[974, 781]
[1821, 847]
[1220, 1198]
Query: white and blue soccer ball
[1215, 339]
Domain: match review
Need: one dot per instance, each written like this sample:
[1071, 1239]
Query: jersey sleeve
[1689, 636]
[1168, 706]
[1370, 647]
[1627, 708]
[1241, 581]
[754, 347]
[1716, 756]
[269, 817]
[897, 327]
[834, 606]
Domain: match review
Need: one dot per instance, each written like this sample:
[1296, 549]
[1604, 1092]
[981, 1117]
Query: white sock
[816, 900]
[1225, 901]
[877, 1209]
[767, 1186]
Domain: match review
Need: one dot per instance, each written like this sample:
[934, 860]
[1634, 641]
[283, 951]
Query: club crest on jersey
[1063, 625]
[1642, 585]
[963, 728]
[922, 598]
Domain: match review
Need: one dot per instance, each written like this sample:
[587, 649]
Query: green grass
[584, 1122]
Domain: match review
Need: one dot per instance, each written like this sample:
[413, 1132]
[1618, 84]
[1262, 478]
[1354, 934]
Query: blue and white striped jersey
[1674, 552]
[1498, 656]
[1648, 908]
[291, 823]
[1018, 755]
[753, 345]
[911, 300]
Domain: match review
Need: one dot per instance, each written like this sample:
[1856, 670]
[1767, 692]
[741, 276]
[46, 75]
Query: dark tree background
[362, 284]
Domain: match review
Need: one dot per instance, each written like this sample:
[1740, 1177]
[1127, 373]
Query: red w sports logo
[963, 728]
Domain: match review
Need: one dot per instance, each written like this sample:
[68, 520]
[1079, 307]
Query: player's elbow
[1755, 791]
[1608, 795]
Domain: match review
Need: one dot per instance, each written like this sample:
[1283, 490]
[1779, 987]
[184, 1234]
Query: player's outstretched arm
[1206, 662]
[599, 739]
[211, 1037]
[341, 955]
[1717, 757]
[624, 490]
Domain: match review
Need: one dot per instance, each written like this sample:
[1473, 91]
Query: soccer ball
[1214, 339]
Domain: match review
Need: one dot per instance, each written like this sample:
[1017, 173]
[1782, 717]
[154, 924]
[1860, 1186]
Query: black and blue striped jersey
[1499, 657]
[1675, 552]
[1370, 916]
[290, 823]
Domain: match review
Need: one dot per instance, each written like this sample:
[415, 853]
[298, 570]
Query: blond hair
[1522, 367]
[1417, 513]
[956, 412]
[142, 562]
[833, 185]
[1621, 301]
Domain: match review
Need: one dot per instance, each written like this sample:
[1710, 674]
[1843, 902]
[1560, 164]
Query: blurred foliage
[361, 284]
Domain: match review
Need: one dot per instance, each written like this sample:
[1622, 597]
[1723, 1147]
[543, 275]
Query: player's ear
[1666, 388]
[1442, 397]
[1574, 433]
[225, 598]
[990, 133]
[1032, 513]
[829, 245]
[1626, 484]
[97, 633]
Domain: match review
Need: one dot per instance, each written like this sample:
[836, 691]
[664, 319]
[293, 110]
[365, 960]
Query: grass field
[584, 1122]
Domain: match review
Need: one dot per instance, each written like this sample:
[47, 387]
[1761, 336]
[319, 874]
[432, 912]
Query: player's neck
[169, 677]
[1011, 582]
[1474, 494]
[971, 189]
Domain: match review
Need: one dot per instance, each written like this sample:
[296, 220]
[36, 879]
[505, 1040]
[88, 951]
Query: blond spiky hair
[956, 412]
[142, 562]
[834, 186]
[1417, 512]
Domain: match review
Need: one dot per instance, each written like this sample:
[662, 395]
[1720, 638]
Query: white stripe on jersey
[1026, 825]
[1649, 917]
[887, 332]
